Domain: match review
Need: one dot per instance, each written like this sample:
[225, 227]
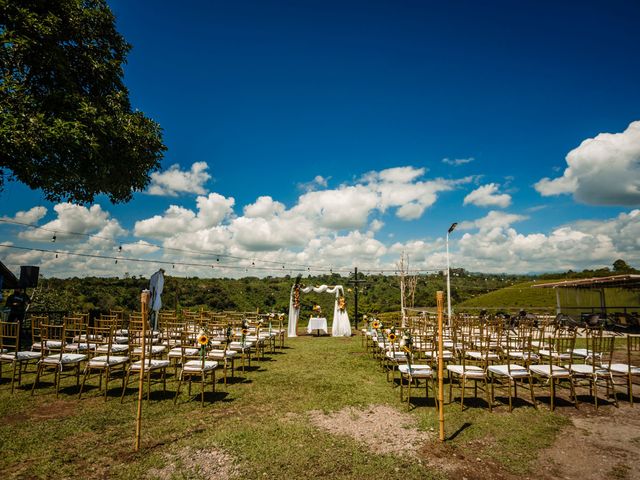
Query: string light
[160, 246]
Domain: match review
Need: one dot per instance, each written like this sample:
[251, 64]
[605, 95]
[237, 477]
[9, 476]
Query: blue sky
[341, 115]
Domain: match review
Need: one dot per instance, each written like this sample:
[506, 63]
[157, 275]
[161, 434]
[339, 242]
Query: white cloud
[79, 220]
[175, 219]
[488, 196]
[212, 210]
[174, 181]
[321, 181]
[604, 170]
[318, 182]
[344, 208]
[139, 248]
[456, 162]
[400, 174]
[376, 225]
[255, 234]
[493, 219]
[264, 207]
[31, 216]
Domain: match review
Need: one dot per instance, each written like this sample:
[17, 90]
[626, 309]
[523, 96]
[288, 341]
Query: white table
[317, 323]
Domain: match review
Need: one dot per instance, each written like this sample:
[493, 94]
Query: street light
[451, 229]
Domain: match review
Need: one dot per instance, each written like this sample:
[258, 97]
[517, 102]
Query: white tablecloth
[317, 323]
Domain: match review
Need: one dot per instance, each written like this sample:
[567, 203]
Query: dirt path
[598, 445]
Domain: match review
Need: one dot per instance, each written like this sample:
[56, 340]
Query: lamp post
[451, 229]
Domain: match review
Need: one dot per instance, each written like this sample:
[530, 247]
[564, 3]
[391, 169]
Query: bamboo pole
[144, 302]
[440, 301]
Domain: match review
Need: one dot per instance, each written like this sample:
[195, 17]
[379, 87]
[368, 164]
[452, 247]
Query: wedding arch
[340, 327]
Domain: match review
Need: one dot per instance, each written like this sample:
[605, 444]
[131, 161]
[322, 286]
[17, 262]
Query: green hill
[521, 295]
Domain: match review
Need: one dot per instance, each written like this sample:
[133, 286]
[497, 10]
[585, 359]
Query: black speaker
[29, 277]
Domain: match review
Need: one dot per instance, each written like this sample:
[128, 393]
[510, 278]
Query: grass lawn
[259, 426]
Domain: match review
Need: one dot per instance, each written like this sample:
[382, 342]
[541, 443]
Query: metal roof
[615, 281]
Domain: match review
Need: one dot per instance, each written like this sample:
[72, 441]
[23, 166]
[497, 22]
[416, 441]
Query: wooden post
[440, 301]
[144, 302]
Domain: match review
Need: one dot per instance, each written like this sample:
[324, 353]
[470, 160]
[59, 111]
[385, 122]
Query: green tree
[66, 123]
[620, 266]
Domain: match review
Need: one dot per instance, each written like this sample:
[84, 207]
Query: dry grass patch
[382, 428]
[189, 462]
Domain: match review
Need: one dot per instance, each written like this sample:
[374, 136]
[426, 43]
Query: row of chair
[490, 355]
[105, 348]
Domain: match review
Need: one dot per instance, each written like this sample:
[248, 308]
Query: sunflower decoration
[392, 336]
[407, 352]
[203, 341]
[342, 304]
[376, 324]
[317, 309]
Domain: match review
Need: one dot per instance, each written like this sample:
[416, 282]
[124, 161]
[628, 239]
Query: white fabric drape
[294, 313]
[340, 326]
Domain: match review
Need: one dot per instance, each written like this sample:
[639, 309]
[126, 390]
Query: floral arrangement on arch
[317, 309]
[342, 304]
[296, 296]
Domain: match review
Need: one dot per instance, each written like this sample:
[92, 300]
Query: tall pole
[355, 282]
[451, 229]
[440, 301]
[144, 302]
[448, 284]
[355, 289]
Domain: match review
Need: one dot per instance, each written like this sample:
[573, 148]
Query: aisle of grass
[88, 438]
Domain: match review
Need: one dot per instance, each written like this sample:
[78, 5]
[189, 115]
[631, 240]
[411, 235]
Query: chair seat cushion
[65, 359]
[477, 355]
[176, 352]
[416, 371]
[624, 368]
[20, 356]
[101, 361]
[220, 354]
[80, 347]
[470, 371]
[397, 356]
[511, 370]
[150, 364]
[552, 354]
[545, 371]
[115, 348]
[586, 369]
[155, 350]
[50, 344]
[521, 355]
[582, 353]
[196, 366]
[446, 354]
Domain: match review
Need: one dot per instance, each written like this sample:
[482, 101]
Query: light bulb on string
[53, 239]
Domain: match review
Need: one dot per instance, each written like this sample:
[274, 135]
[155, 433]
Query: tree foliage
[66, 122]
